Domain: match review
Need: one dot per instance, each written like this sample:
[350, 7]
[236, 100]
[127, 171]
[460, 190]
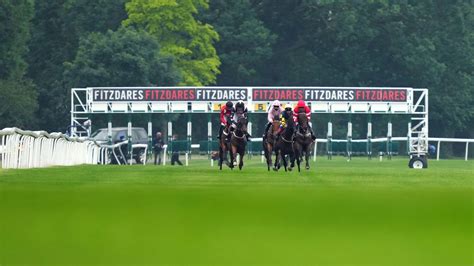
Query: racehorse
[303, 140]
[284, 146]
[270, 137]
[238, 142]
[224, 147]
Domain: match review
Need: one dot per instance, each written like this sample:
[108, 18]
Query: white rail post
[349, 141]
[329, 141]
[209, 142]
[170, 140]
[129, 148]
[315, 149]
[389, 140]
[369, 140]
[409, 139]
[149, 152]
[437, 150]
[249, 146]
[467, 150]
[189, 141]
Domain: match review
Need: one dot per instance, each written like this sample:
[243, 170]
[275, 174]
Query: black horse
[303, 140]
[284, 146]
[238, 142]
[269, 141]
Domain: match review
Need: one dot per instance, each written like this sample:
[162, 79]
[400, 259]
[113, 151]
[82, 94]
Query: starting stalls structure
[346, 100]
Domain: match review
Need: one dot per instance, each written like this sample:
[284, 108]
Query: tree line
[48, 47]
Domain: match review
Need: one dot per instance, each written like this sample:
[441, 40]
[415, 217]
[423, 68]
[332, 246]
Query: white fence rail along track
[34, 149]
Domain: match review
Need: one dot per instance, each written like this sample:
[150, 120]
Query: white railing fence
[437, 141]
[33, 149]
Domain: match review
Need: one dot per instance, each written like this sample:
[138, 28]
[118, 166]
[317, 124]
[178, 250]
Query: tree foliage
[424, 43]
[180, 34]
[245, 43]
[121, 58]
[378, 43]
[17, 93]
[56, 30]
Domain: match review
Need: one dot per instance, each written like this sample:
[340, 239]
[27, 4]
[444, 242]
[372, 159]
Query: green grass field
[338, 213]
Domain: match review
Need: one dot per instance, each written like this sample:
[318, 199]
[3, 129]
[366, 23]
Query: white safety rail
[451, 140]
[437, 140]
[377, 140]
[119, 156]
[33, 149]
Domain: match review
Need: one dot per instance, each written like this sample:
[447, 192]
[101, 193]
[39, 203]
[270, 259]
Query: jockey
[226, 117]
[275, 111]
[301, 107]
[285, 115]
[239, 111]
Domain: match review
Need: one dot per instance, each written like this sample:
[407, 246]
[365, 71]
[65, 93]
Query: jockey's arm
[295, 117]
[270, 116]
[223, 117]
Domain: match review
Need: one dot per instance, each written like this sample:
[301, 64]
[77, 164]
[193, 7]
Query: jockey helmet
[276, 103]
[229, 104]
[239, 104]
[300, 104]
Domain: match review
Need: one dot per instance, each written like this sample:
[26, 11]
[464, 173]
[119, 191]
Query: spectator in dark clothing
[158, 144]
[175, 158]
[175, 154]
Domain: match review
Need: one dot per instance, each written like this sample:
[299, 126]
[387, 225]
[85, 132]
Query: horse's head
[242, 124]
[289, 121]
[303, 121]
[276, 123]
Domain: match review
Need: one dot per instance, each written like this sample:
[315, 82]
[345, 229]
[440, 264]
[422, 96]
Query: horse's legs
[241, 163]
[268, 155]
[277, 160]
[298, 162]
[285, 164]
[292, 155]
[299, 155]
[233, 155]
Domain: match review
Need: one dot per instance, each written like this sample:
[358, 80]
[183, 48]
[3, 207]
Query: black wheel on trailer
[418, 162]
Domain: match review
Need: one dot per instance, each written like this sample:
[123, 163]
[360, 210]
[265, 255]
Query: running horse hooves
[307, 167]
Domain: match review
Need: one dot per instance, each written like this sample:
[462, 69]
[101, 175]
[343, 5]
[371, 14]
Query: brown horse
[270, 138]
[284, 146]
[303, 140]
[238, 142]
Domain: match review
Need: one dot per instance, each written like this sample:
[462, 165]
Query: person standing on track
[158, 144]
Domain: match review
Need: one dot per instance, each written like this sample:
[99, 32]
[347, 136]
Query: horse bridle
[301, 134]
[235, 135]
[285, 140]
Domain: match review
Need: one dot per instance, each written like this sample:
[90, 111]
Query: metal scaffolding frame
[416, 105]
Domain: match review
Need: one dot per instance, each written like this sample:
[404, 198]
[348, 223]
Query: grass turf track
[338, 213]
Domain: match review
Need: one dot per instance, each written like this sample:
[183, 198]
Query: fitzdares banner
[259, 94]
[330, 94]
[168, 94]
